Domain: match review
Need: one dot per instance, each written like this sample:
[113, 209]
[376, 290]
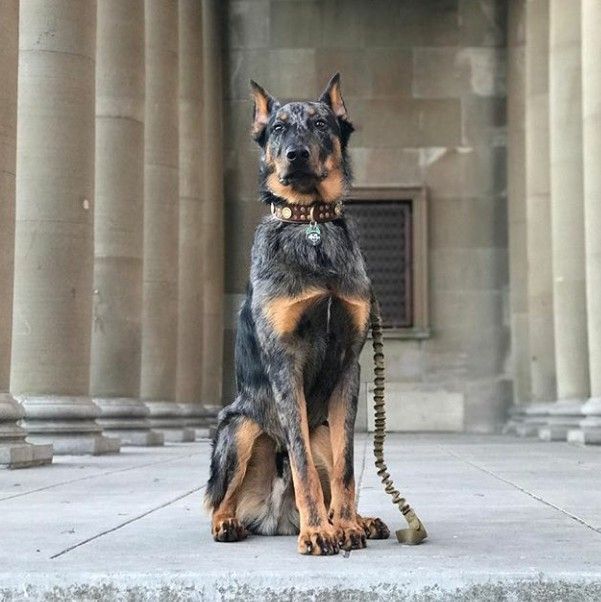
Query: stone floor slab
[507, 518]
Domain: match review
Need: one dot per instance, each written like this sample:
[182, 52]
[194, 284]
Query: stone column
[15, 452]
[516, 176]
[567, 223]
[538, 219]
[590, 427]
[212, 232]
[191, 207]
[161, 217]
[50, 370]
[118, 223]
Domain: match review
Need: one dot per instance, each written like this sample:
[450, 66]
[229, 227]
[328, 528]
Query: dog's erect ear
[332, 96]
[264, 105]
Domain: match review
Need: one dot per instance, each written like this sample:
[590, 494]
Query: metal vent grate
[385, 236]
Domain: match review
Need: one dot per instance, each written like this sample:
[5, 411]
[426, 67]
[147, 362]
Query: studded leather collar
[305, 214]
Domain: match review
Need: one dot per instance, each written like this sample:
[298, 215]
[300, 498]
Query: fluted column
[590, 427]
[15, 452]
[212, 355]
[567, 211]
[161, 217]
[118, 223]
[191, 206]
[516, 189]
[54, 226]
[538, 218]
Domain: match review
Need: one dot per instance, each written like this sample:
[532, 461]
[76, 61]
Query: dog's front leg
[342, 411]
[317, 536]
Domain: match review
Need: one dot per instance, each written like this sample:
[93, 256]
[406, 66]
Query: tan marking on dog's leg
[284, 313]
[225, 525]
[317, 537]
[256, 487]
[358, 309]
[321, 448]
[343, 512]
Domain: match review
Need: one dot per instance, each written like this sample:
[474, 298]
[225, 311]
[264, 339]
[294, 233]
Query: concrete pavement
[509, 519]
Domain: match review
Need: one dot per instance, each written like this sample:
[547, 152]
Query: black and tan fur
[282, 459]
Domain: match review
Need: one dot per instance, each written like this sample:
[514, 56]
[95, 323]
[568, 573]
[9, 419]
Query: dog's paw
[374, 528]
[318, 541]
[352, 536]
[229, 529]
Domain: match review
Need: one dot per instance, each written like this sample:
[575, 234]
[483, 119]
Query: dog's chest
[288, 263]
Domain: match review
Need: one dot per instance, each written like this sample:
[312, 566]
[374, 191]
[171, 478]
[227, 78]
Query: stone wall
[424, 83]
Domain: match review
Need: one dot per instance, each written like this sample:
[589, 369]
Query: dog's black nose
[297, 154]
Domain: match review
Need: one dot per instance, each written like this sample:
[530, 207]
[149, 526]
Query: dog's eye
[278, 127]
[320, 124]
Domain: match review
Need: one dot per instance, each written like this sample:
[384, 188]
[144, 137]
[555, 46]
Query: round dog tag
[313, 234]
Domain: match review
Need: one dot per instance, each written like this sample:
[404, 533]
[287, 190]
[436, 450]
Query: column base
[167, 418]
[563, 417]
[24, 455]
[202, 433]
[15, 452]
[79, 445]
[582, 436]
[534, 418]
[199, 416]
[553, 433]
[589, 431]
[135, 437]
[517, 415]
[179, 435]
[66, 422]
[127, 419]
[212, 410]
[592, 408]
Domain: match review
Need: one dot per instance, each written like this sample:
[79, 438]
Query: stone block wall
[424, 83]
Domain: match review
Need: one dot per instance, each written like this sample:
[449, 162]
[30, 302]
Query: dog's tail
[416, 532]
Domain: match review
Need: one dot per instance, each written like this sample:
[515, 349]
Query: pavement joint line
[127, 522]
[361, 470]
[520, 488]
[347, 553]
[101, 474]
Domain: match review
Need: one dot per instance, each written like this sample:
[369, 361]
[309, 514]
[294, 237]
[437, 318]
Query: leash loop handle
[416, 533]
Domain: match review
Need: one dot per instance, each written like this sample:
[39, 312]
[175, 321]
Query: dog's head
[303, 146]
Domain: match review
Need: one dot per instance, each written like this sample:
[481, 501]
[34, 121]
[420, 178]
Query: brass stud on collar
[286, 213]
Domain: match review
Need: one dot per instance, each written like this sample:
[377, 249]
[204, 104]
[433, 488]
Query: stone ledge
[389, 585]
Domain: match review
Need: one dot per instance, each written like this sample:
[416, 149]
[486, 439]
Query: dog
[282, 455]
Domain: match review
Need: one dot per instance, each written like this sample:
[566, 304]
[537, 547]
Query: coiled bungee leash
[416, 532]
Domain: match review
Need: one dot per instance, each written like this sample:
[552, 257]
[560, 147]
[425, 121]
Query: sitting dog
[282, 459]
